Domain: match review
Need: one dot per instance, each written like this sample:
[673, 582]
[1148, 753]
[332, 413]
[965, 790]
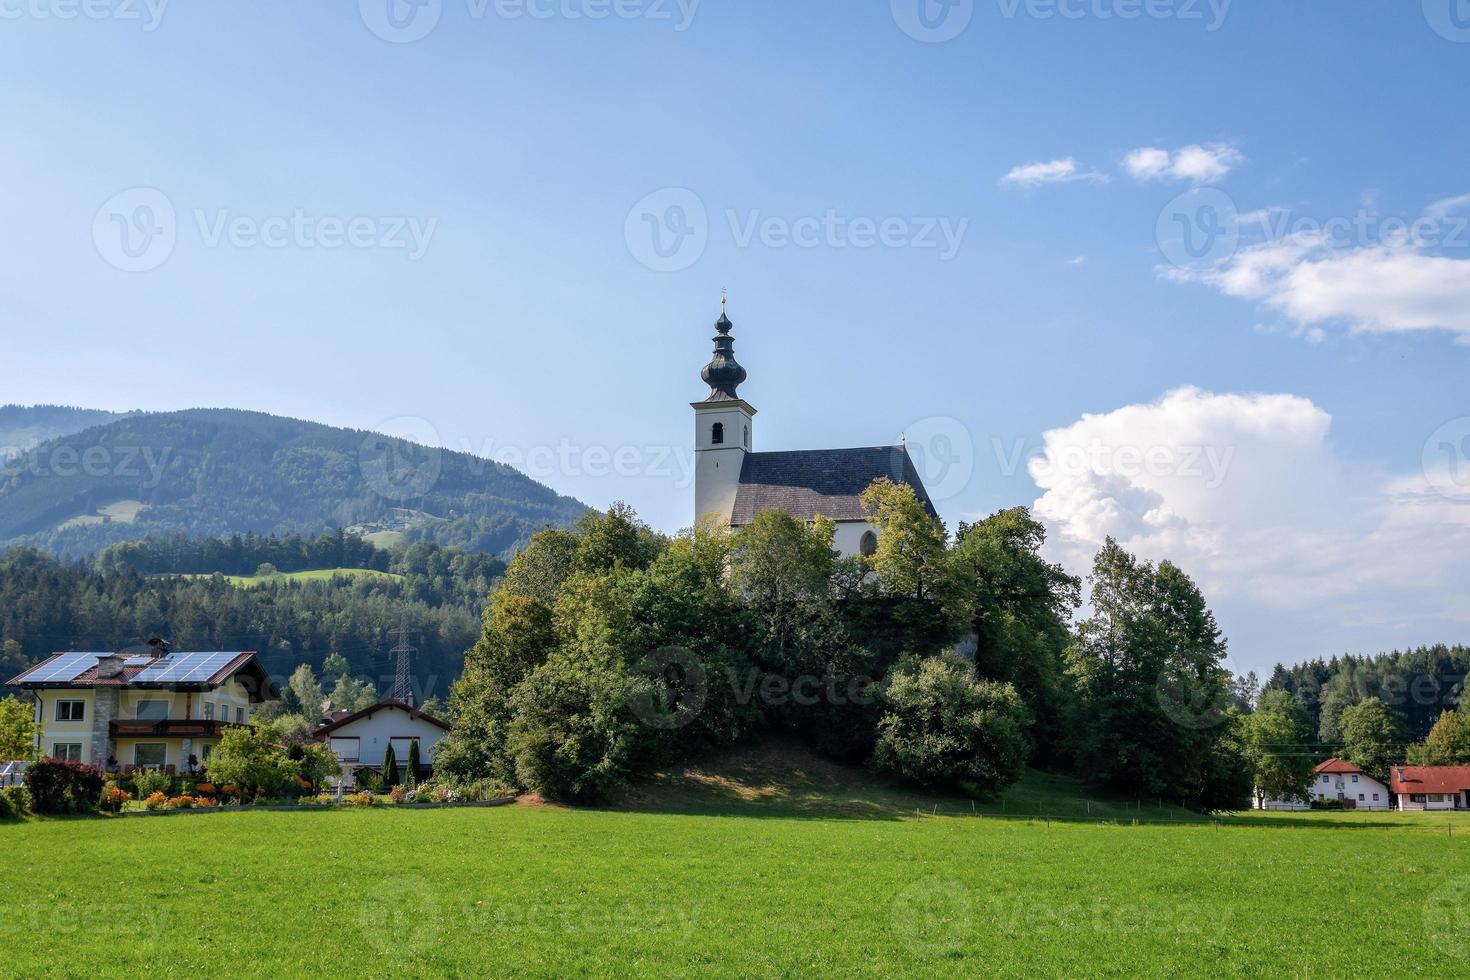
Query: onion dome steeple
[723, 373]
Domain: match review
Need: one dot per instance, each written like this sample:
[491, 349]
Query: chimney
[158, 647]
[109, 666]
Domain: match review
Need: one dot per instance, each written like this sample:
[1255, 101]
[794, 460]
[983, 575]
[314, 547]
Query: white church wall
[849, 537]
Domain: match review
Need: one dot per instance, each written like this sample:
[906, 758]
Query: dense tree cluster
[1416, 685]
[609, 650]
[47, 605]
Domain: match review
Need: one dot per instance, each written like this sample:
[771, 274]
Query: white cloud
[1194, 163]
[1053, 172]
[1247, 494]
[1386, 287]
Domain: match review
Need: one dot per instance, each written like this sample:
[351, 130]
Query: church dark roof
[828, 482]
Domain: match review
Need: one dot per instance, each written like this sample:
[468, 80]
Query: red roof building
[1431, 787]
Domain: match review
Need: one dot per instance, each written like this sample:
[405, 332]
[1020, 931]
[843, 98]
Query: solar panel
[66, 667]
[139, 661]
[184, 668]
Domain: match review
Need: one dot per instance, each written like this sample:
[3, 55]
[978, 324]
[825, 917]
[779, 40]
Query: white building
[733, 482]
[1337, 779]
[361, 739]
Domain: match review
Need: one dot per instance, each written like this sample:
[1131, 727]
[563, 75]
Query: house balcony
[170, 728]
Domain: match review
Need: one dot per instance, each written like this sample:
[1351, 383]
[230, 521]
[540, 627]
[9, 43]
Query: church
[733, 482]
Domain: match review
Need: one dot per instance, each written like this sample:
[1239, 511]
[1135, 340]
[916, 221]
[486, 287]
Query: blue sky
[498, 297]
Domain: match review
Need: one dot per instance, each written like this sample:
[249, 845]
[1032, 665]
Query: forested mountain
[216, 472]
[47, 604]
[1416, 684]
[23, 427]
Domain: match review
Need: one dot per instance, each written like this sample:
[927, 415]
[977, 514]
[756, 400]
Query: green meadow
[314, 575]
[743, 877]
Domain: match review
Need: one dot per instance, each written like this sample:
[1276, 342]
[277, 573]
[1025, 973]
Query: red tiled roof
[1336, 766]
[1429, 779]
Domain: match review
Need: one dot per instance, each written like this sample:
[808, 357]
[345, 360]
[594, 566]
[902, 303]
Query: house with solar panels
[151, 709]
[733, 482]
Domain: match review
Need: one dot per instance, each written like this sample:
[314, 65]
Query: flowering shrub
[446, 794]
[424, 794]
[114, 796]
[365, 798]
[207, 789]
[156, 801]
[398, 794]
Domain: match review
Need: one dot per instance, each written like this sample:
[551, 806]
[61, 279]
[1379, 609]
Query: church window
[869, 544]
[747, 437]
[717, 434]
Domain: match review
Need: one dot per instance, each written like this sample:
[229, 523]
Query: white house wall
[374, 732]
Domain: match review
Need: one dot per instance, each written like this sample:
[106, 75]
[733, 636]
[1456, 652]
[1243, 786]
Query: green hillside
[221, 472]
[23, 427]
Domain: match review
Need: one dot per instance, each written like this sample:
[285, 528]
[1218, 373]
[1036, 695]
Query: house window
[206, 752]
[1416, 797]
[1375, 797]
[717, 434]
[869, 545]
[150, 755]
[152, 711]
[67, 751]
[1360, 797]
[209, 711]
[1436, 797]
[400, 748]
[347, 749]
[1326, 779]
[747, 437]
[242, 715]
[70, 710]
[1355, 779]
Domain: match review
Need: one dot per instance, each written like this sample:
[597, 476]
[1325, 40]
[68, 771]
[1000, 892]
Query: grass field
[730, 873]
[315, 575]
[119, 512]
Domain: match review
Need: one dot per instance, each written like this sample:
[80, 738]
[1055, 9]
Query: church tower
[723, 425]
